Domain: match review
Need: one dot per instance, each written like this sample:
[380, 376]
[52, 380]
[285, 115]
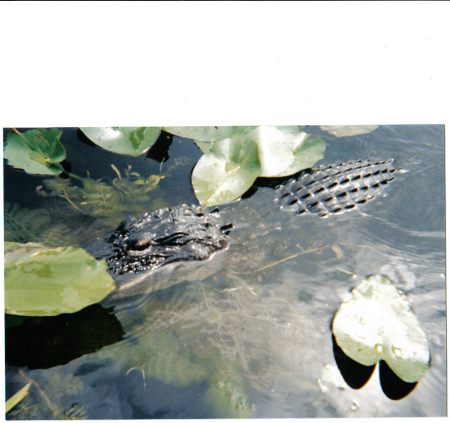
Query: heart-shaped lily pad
[376, 323]
[41, 281]
[226, 171]
[285, 150]
[132, 141]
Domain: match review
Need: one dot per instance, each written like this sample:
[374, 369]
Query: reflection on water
[254, 339]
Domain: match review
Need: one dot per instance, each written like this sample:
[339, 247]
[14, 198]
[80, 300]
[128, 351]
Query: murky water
[254, 339]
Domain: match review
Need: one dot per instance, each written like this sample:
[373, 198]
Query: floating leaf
[42, 281]
[208, 133]
[204, 146]
[132, 141]
[376, 323]
[17, 397]
[226, 172]
[37, 151]
[348, 130]
[286, 150]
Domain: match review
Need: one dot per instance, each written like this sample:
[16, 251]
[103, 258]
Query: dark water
[254, 339]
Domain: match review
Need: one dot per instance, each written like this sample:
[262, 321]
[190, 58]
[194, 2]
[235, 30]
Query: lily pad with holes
[226, 172]
[131, 141]
[37, 151]
[376, 323]
[41, 281]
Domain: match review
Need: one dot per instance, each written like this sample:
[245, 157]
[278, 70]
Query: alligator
[170, 245]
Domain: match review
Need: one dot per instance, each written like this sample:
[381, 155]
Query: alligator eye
[140, 245]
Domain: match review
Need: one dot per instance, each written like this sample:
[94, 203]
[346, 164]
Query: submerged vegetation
[106, 201]
[24, 225]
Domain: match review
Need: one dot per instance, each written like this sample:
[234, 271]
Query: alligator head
[152, 241]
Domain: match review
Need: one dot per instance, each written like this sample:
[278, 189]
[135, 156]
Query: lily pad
[226, 172]
[41, 281]
[348, 130]
[204, 146]
[131, 141]
[37, 151]
[376, 323]
[208, 133]
[286, 150]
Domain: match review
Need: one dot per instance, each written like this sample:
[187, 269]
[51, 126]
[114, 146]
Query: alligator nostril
[226, 228]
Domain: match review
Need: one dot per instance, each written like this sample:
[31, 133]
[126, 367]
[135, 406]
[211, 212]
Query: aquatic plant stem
[41, 391]
[17, 397]
[72, 175]
[314, 250]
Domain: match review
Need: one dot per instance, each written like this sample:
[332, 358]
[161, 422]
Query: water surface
[254, 339]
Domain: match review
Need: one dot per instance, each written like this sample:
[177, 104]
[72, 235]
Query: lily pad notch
[376, 324]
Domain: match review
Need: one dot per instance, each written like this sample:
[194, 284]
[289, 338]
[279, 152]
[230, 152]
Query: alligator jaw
[145, 282]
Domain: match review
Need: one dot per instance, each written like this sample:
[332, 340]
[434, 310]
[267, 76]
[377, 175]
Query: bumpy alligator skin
[336, 188]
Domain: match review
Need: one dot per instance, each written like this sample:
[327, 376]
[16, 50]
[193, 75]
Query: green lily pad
[132, 141]
[204, 146]
[41, 281]
[208, 133]
[226, 172]
[37, 151]
[284, 151]
[376, 323]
